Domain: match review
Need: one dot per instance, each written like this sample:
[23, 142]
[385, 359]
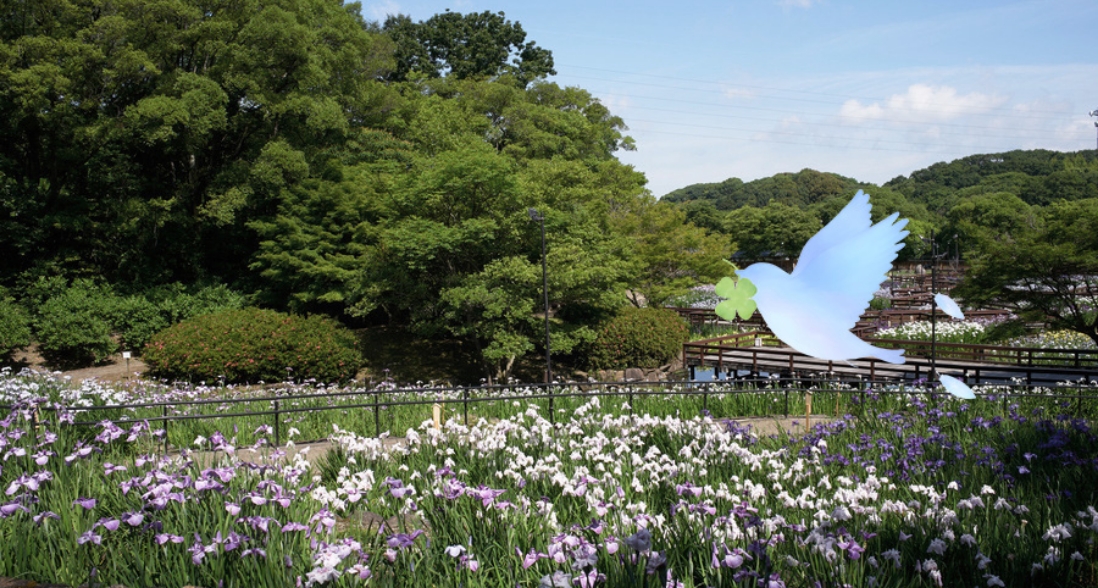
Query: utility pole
[539, 218]
[1095, 113]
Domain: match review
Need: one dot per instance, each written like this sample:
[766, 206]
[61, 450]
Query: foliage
[14, 326]
[177, 302]
[880, 303]
[1047, 271]
[672, 255]
[135, 319]
[137, 138]
[474, 45]
[250, 345]
[800, 189]
[980, 220]
[775, 230]
[429, 225]
[73, 326]
[639, 337]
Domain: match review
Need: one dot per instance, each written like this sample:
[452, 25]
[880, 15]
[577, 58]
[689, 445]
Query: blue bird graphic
[813, 308]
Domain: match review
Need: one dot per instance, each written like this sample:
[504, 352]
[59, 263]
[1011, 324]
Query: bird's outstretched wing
[847, 260]
[852, 219]
[949, 306]
[956, 387]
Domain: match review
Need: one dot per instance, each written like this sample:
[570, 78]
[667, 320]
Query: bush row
[84, 322]
[639, 337]
[251, 345]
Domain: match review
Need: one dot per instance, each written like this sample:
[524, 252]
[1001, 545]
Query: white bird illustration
[956, 387]
[949, 306]
[813, 308]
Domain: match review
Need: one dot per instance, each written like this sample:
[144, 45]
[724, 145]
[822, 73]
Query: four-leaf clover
[738, 294]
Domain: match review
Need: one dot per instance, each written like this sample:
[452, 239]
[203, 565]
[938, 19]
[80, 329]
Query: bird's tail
[889, 355]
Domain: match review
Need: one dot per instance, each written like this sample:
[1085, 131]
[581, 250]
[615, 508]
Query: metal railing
[757, 353]
[282, 404]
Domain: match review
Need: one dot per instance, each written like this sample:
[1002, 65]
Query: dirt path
[115, 369]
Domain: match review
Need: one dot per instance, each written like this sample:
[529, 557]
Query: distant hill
[1036, 176]
[799, 189]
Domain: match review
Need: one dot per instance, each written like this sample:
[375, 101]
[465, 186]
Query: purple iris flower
[162, 538]
[403, 540]
[133, 519]
[530, 558]
[89, 537]
[109, 524]
[640, 541]
[11, 508]
[38, 518]
[85, 503]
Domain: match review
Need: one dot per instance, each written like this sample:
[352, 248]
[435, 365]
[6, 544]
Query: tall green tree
[775, 230]
[1047, 271]
[474, 45]
[671, 254]
[138, 138]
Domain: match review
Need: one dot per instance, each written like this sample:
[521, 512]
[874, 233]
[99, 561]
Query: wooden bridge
[759, 354]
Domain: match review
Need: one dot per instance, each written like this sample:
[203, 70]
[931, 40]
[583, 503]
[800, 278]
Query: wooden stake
[807, 412]
[437, 414]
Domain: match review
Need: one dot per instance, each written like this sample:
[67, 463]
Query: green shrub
[73, 327]
[252, 345]
[639, 337]
[14, 327]
[135, 319]
[879, 303]
[177, 303]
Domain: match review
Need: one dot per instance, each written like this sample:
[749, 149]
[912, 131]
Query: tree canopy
[323, 163]
[474, 45]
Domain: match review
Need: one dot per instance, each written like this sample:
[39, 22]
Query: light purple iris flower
[133, 519]
[89, 537]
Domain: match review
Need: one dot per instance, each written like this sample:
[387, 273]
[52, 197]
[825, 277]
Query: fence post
[787, 403]
[864, 386]
[465, 402]
[807, 412]
[705, 397]
[278, 426]
[377, 413]
[164, 413]
[552, 415]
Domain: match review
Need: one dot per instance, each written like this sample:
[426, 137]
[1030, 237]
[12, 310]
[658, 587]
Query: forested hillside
[1025, 222]
[317, 162]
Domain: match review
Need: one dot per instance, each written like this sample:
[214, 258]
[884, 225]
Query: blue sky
[867, 89]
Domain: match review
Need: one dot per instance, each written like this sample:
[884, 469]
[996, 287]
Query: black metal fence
[372, 398]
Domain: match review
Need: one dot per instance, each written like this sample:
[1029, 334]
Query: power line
[780, 132]
[767, 88]
[873, 147]
[785, 111]
[814, 123]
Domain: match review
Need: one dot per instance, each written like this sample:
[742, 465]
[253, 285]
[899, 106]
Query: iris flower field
[905, 487]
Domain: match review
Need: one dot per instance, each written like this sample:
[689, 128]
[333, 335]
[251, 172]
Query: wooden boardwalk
[729, 361]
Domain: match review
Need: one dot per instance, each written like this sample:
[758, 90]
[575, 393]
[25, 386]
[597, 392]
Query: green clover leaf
[738, 294]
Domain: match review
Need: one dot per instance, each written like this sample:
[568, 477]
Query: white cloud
[853, 109]
[922, 103]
